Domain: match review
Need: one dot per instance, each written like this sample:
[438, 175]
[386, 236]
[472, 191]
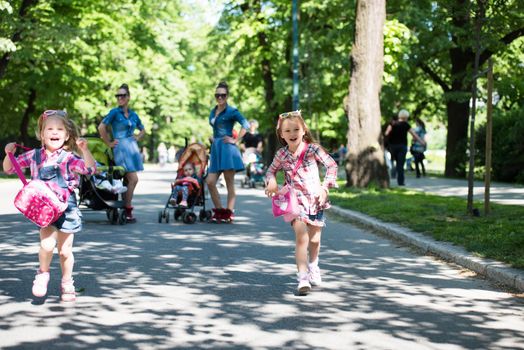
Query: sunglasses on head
[121, 95]
[52, 112]
[290, 114]
[220, 95]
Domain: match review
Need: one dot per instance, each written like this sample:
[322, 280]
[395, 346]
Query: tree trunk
[365, 161]
[29, 111]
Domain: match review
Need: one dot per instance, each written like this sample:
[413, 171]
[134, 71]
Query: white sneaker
[314, 275]
[304, 287]
[40, 284]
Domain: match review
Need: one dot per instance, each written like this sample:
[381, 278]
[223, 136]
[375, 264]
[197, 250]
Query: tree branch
[506, 39]
[434, 76]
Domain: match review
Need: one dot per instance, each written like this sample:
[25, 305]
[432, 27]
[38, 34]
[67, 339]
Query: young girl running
[56, 164]
[312, 195]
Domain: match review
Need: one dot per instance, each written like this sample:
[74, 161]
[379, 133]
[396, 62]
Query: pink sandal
[68, 291]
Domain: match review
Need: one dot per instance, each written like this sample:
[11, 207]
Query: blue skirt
[127, 154]
[224, 156]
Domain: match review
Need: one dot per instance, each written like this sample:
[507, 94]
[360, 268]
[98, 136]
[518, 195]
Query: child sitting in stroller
[182, 187]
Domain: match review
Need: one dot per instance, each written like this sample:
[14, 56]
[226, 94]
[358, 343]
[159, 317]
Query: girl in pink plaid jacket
[312, 195]
[59, 167]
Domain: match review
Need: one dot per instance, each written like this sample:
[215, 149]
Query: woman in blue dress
[225, 155]
[124, 121]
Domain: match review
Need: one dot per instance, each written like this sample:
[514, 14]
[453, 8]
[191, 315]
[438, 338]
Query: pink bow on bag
[36, 200]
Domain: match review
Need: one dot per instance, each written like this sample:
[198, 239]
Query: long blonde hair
[71, 128]
[308, 136]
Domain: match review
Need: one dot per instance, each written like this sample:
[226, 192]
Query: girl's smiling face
[54, 134]
[292, 132]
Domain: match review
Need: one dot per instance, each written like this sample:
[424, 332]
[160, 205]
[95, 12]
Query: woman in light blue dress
[124, 121]
[225, 155]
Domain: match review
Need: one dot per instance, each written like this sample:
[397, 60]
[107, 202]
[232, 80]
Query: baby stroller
[100, 191]
[255, 169]
[196, 155]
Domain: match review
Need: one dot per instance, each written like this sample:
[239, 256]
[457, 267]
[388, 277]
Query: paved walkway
[502, 193]
[208, 286]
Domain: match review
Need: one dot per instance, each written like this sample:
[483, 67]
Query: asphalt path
[154, 285]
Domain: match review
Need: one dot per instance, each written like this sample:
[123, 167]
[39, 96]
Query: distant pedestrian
[124, 121]
[162, 154]
[397, 133]
[225, 156]
[417, 149]
[312, 195]
[56, 164]
[171, 154]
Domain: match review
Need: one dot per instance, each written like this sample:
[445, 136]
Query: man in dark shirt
[397, 134]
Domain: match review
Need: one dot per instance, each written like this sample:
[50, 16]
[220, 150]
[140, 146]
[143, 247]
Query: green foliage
[508, 146]
[497, 236]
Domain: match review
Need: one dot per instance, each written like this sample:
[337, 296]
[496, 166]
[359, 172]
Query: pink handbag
[36, 200]
[285, 202]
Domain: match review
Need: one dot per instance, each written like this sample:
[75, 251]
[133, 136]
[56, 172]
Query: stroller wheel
[166, 215]
[114, 216]
[122, 220]
[202, 215]
[188, 218]
[160, 217]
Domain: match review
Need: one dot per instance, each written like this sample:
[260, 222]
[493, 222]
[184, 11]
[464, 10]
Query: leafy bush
[508, 146]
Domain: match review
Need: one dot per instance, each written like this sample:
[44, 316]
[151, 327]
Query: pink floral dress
[306, 181]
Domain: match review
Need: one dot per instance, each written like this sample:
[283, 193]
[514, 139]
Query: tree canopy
[74, 54]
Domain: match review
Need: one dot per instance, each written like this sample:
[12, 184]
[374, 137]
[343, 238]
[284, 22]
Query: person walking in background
[56, 164]
[417, 148]
[312, 195]
[225, 156]
[171, 154]
[252, 138]
[162, 154]
[397, 133]
[124, 121]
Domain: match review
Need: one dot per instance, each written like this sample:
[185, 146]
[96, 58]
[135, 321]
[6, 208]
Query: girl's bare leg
[314, 242]
[301, 245]
[65, 251]
[48, 237]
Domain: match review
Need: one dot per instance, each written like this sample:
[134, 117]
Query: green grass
[499, 236]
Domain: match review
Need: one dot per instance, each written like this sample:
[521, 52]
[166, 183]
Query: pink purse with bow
[285, 202]
[36, 200]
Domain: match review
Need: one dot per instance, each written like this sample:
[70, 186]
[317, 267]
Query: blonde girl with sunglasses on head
[312, 194]
[56, 164]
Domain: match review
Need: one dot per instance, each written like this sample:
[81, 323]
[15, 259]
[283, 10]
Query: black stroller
[194, 154]
[100, 191]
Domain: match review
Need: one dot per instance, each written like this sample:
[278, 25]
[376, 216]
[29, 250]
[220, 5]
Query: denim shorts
[71, 219]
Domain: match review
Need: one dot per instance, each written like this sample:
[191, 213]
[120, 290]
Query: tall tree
[365, 162]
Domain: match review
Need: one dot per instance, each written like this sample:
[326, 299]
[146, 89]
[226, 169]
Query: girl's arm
[271, 181]
[330, 179]
[89, 160]
[7, 165]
